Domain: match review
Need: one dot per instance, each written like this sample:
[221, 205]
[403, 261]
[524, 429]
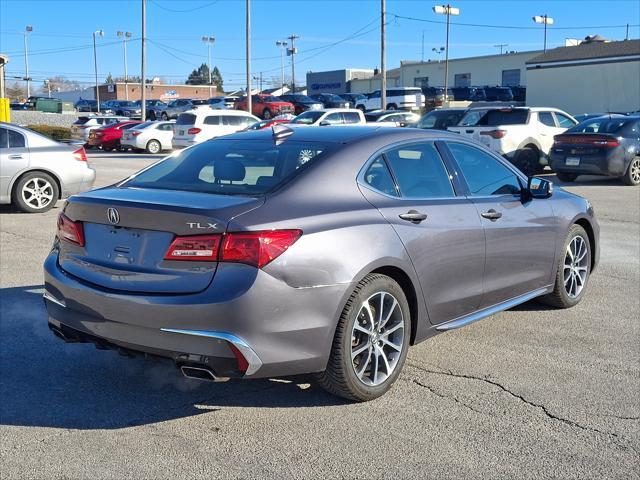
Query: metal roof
[588, 51]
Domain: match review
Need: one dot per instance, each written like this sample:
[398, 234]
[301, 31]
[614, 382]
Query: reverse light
[80, 155]
[497, 134]
[196, 247]
[194, 131]
[70, 231]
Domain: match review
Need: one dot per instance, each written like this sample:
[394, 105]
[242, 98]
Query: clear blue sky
[60, 43]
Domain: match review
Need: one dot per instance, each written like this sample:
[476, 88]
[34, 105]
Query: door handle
[15, 157]
[413, 216]
[491, 215]
[469, 131]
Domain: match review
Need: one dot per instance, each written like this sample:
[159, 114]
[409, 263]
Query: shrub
[54, 133]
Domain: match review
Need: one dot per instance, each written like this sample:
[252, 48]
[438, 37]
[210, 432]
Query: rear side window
[81, 121]
[351, 117]
[419, 171]
[546, 119]
[379, 178]
[237, 120]
[230, 167]
[212, 120]
[4, 138]
[186, 119]
[484, 174]
[504, 117]
[564, 121]
[16, 140]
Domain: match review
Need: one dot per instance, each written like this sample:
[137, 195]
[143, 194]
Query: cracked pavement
[528, 393]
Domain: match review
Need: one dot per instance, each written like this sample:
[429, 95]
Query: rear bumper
[80, 181]
[289, 330]
[613, 164]
[183, 143]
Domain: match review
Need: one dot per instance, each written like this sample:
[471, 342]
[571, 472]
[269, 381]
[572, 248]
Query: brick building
[155, 90]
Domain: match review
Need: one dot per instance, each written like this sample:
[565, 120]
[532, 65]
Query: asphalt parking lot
[529, 393]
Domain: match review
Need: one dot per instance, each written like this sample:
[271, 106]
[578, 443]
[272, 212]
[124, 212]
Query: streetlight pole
[143, 50]
[248, 53]
[545, 20]
[283, 45]
[292, 51]
[27, 30]
[383, 63]
[95, 66]
[124, 36]
[209, 41]
[447, 10]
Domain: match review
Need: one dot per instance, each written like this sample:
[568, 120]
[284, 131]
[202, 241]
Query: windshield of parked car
[186, 119]
[332, 98]
[229, 167]
[299, 98]
[493, 118]
[308, 117]
[600, 125]
[270, 98]
[440, 119]
[125, 103]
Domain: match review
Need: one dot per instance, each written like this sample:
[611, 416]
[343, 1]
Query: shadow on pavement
[47, 383]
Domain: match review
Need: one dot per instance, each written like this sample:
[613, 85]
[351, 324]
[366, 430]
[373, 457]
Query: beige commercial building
[594, 76]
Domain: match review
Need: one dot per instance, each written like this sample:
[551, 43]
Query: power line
[183, 11]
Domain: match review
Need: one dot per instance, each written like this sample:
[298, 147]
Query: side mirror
[325, 123]
[539, 188]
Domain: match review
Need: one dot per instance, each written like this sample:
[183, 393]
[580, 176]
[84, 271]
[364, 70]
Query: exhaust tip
[201, 373]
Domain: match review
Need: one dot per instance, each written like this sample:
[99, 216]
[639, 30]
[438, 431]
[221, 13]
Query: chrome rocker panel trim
[48, 296]
[252, 358]
[486, 312]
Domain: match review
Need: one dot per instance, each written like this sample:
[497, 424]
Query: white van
[399, 98]
[195, 126]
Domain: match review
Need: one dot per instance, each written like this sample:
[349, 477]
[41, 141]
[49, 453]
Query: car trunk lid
[128, 232]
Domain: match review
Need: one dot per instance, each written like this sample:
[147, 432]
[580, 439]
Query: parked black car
[125, 108]
[352, 98]
[83, 105]
[301, 103]
[441, 118]
[434, 96]
[18, 106]
[608, 145]
[331, 100]
[151, 103]
[498, 94]
[519, 94]
[473, 94]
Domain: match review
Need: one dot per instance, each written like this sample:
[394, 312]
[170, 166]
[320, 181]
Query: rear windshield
[230, 167]
[81, 121]
[601, 125]
[493, 118]
[308, 117]
[440, 119]
[186, 119]
[142, 126]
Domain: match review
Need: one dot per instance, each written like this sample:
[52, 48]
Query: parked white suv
[204, 123]
[400, 98]
[524, 135]
[150, 136]
[82, 127]
[330, 116]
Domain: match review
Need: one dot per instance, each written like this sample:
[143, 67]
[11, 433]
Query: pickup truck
[524, 136]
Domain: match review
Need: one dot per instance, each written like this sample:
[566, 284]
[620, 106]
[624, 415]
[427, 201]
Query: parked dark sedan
[297, 250]
[125, 108]
[498, 94]
[301, 103]
[473, 94]
[608, 145]
[352, 98]
[441, 118]
[330, 100]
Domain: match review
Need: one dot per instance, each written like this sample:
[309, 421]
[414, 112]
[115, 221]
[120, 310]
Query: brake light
[193, 131]
[197, 247]
[241, 362]
[253, 248]
[135, 134]
[80, 155]
[70, 231]
[497, 134]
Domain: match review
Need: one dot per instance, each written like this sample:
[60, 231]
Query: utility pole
[283, 46]
[546, 20]
[26, 60]
[143, 87]
[47, 82]
[292, 51]
[383, 64]
[248, 53]
[124, 36]
[209, 41]
[501, 46]
[95, 66]
[422, 51]
[626, 37]
[447, 10]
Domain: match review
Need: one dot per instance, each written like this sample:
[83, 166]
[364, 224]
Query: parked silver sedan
[35, 171]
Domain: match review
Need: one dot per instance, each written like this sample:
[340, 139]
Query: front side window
[546, 119]
[333, 118]
[484, 174]
[419, 171]
[308, 117]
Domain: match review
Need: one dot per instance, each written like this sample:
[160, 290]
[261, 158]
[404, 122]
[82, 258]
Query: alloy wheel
[37, 193]
[635, 170]
[576, 264]
[377, 338]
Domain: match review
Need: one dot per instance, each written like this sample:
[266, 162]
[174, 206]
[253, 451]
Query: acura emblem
[113, 216]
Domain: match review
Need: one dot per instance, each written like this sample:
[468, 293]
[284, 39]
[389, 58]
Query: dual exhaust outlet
[201, 373]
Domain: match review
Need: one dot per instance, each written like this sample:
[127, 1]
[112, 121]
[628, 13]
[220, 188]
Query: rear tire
[266, 114]
[632, 175]
[361, 108]
[379, 337]
[392, 106]
[573, 272]
[152, 115]
[35, 192]
[153, 147]
[164, 116]
[566, 177]
[527, 161]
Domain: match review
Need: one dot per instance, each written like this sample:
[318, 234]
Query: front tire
[632, 175]
[153, 146]
[266, 114]
[573, 272]
[527, 161]
[164, 116]
[371, 341]
[35, 192]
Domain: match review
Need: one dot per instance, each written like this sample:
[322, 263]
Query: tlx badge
[201, 226]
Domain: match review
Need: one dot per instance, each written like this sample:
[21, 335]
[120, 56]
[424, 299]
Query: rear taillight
[497, 134]
[610, 142]
[135, 134]
[193, 131]
[70, 231]
[80, 155]
[197, 247]
[253, 248]
[594, 140]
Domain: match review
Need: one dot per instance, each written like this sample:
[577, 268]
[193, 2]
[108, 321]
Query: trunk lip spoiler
[249, 354]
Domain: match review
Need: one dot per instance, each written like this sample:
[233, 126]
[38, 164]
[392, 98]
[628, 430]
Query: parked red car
[108, 137]
[265, 106]
[267, 123]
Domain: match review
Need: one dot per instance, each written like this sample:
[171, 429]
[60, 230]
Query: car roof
[332, 110]
[205, 110]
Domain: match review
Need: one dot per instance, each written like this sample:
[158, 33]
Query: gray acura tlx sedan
[312, 250]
